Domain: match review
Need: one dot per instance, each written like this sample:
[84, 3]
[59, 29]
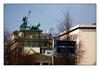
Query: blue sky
[47, 14]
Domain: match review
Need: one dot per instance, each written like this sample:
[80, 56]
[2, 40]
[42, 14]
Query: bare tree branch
[7, 35]
[68, 59]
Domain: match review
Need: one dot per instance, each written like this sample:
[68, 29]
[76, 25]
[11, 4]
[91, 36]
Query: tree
[65, 25]
[66, 22]
[7, 35]
[7, 38]
[68, 59]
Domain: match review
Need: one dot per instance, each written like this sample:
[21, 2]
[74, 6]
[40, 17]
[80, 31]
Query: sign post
[53, 52]
[66, 50]
[65, 43]
[65, 46]
[62, 47]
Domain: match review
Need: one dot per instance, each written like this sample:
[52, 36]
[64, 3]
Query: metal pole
[28, 14]
[53, 52]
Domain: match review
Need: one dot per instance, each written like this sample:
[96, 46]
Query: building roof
[79, 26]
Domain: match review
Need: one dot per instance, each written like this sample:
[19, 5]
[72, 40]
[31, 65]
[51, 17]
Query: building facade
[85, 37]
[30, 47]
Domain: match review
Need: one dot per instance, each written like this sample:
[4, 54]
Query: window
[36, 44]
[48, 53]
[25, 43]
[50, 43]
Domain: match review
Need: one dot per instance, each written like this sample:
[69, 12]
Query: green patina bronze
[23, 26]
[35, 26]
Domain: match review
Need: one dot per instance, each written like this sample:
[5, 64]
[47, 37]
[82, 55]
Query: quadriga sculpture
[23, 26]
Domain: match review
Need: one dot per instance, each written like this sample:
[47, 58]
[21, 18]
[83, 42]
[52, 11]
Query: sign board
[66, 50]
[65, 46]
[65, 43]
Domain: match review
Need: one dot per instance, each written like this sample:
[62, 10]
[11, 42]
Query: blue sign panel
[65, 43]
[66, 50]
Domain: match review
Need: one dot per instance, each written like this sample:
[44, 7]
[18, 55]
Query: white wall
[48, 51]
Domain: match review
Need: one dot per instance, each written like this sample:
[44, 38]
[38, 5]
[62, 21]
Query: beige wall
[13, 36]
[28, 49]
[88, 37]
[88, 41]
[21, 34]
